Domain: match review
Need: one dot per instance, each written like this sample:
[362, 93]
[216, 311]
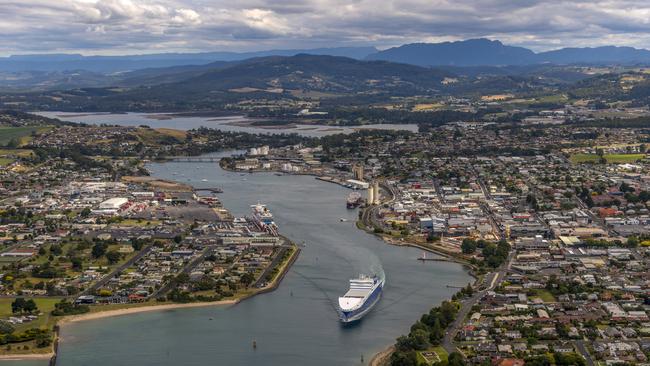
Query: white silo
[375, 194]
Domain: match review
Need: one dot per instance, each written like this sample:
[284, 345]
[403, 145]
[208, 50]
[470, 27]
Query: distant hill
[484, 52]
[473, 52]
[305, 72]
[113, 64]
[275, 77]
[597, 55]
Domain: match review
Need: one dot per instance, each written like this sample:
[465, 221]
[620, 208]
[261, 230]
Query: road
[102, 281]
[580, 346]
[369, 216]
[261, 280]
[492, 280]
[187, 269]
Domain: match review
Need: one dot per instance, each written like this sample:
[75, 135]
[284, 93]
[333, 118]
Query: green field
[22, 134]
[45, 305]
[611, 158]
[442, 356]
[545, 295]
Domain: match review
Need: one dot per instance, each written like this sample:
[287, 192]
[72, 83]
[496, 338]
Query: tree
[408, 358]
[404, 343]
[632, 242]
[30, 306]
[85, 212]
[18, 305]
[469, 291]
[113, 257]
[6, 327]
[455, 359]
[56, 249]
[420, 339]
[99, 250]
[246, 279]
[437, 333]
[77, 263]
[13, 143]
[468, 246]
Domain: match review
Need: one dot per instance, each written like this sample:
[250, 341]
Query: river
[228, 123]
[294, 325]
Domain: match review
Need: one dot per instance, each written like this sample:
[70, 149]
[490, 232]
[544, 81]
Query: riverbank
[98, 313]
[140, 309]
[382, 358]
[27, 357]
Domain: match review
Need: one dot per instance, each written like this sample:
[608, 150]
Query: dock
[424, 258]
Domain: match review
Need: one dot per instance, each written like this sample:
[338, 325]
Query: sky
[112, 27]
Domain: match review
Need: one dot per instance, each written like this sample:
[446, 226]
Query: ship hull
[352, 316]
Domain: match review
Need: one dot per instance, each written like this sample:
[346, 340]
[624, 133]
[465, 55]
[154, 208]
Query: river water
[294, 325]
[229, 123]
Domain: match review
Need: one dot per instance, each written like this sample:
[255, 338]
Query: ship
[263, 219]
[354, 200]
[363, 294]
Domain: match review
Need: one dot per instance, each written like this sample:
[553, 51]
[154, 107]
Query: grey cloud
[137, 26]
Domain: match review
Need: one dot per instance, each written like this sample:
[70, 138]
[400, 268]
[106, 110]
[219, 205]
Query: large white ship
[363, 294]
[263, 218]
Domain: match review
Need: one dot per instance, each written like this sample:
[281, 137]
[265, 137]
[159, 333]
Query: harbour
[300, 314]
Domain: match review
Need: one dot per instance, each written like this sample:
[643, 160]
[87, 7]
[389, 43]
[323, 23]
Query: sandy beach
[140, 309]
[382, 357]
[29, 356]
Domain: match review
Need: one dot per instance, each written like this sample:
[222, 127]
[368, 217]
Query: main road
[492, 280]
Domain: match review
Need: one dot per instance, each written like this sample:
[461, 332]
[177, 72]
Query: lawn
[6, 161]
[23, 153]
[440, 355]
[137, 223]
[611, 158]
[22, 134]
[545, 295]
[45, 305]
[554, 98]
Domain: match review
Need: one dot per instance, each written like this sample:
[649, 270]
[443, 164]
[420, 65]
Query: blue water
[220, 123]
[294, 325]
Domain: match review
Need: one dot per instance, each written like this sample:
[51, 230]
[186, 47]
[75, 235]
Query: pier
[209, 189]
[424, 258]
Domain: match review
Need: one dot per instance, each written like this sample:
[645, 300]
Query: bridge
[196, 159]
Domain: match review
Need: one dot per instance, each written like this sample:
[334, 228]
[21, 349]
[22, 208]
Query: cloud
[141, 26]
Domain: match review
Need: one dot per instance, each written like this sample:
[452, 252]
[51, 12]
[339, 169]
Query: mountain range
[115, 64]
[485, 52]
[473, 52]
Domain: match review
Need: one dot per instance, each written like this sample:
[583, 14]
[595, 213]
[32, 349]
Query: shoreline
[69, 319]
[27, 356]
[139, 309]
[382, 357]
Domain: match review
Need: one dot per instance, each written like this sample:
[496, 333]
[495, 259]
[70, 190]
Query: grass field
[611, 158]
[545, 295]
[23, 153]
[45, 305]
[438, 350]
[22, 134]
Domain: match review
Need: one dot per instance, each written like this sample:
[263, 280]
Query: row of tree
[427, 332]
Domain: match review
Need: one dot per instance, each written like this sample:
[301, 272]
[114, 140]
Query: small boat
[343, 219]
[204, 180]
